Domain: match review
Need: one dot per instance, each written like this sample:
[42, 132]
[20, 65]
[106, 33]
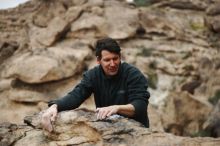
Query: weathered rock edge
[80, 127]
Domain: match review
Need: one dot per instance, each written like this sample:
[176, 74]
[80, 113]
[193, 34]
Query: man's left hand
[105, 112]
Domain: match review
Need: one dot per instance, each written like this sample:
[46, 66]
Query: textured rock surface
[80, 127]
[178, 113]
[45, 46]
[53, 63]
[212, 124]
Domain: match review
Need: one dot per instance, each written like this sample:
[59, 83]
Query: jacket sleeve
[138, 95]
[75, 97]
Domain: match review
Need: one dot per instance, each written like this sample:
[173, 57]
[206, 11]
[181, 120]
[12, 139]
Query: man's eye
[116, 58]
[106, 60]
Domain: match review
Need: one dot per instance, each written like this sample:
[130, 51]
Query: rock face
[53, 63]
[178, 108]
[80, 127]
[212, 124]
[45, 46]
[214, 12]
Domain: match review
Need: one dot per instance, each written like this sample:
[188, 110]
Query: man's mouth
[113, 69]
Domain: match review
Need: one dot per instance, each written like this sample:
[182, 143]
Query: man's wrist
[127, 109]
[54, 106]
[118, 108]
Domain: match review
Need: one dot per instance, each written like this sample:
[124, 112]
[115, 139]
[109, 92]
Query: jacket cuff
[140, 107]
[50, 103]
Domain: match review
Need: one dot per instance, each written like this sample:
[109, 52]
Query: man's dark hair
[108, 44]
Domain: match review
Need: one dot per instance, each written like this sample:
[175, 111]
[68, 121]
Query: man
[119, 88]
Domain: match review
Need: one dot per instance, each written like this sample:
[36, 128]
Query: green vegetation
[201, 133]
[141, 3]
[197, 26]
[153, 65]
[215, 98]
[152, 79]
[188, 67]
[152, 75]
[181, 80]
[187, 55]
[146, 52]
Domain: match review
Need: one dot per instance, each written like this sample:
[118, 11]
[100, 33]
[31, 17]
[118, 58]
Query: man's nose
[112, 63]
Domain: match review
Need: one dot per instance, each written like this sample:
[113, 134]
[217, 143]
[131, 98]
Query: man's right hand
[48, 116]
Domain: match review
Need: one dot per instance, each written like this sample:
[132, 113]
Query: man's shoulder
[132, 73]
[93, 71]
[95, 68]
[129, 68]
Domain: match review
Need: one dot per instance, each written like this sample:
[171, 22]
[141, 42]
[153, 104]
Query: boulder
[88, 25]
[120, 17]
[55, 30]
[155, 119]
[44, 13]
[7, 49]
[186, 112]
[10, 133]
[160, 24]
[213, 9]
[80, 127]
[52, 64]
[186, 4]
[212, 125]
[214, 23]
[27, 96]
[14, 112]
[210, 83]
[47, 44]
[5, 84]
[191, 86]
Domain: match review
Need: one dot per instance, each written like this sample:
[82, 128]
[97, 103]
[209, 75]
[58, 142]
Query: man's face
[110, 62]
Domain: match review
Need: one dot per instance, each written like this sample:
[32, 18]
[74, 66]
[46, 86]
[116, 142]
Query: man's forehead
[107, 53]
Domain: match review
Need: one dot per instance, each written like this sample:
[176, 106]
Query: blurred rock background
[46, 45]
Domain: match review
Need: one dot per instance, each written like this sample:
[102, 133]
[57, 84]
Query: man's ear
[98, 60]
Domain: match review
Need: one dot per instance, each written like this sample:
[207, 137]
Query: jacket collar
[111, 77]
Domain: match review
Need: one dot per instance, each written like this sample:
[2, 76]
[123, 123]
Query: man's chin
[112, 73]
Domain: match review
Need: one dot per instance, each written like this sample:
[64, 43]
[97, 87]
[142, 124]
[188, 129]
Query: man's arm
[71, 101]
[138, 95]
[49, 115]
[105, 112]
[77, 96]
[127, 110]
